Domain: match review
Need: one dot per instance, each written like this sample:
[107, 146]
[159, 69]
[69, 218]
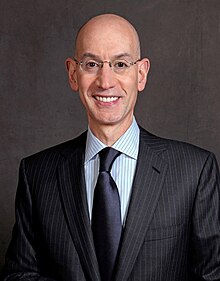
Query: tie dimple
[107, 158]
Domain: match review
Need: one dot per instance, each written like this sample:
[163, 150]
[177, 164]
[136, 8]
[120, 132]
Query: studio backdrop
[37, 108]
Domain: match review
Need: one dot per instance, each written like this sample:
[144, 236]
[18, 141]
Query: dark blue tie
[106, 215]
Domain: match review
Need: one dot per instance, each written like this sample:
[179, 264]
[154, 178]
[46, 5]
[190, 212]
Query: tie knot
[107, 157]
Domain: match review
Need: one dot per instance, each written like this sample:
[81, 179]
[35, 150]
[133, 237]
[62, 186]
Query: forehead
[107, 39]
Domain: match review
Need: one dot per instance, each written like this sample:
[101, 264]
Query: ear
[71, 69]
[143, 69]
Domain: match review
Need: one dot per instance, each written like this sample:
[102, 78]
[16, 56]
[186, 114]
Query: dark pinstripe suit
[172, 231]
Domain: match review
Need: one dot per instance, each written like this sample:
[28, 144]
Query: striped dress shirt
[123, 168]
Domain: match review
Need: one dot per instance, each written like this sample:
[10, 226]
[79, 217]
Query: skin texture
[106, 37]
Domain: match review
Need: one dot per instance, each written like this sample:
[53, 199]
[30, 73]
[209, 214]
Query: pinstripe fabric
[123, 168]
[175, 192]
[172, 230]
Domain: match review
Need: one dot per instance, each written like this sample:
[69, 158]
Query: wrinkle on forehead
[111, 24]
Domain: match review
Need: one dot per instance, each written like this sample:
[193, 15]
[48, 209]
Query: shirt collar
[127, 144]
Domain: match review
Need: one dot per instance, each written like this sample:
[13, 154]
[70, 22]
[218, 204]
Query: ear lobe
[144, 66]
[71, 69]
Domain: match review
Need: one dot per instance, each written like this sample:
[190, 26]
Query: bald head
[108, 26]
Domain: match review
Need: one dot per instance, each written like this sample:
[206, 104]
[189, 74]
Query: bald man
[167, 192]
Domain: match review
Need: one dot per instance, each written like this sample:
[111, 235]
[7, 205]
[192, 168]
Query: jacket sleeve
[21, 261]
[205, 242]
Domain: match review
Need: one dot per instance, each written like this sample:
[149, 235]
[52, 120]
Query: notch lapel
[72, 191]
[147, 186]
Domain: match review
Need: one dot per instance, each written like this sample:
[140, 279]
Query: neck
[109, 134]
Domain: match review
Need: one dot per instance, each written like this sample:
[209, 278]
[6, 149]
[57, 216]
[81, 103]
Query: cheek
[86, 85]
[131, 82]
[86, 89]
[131, 87]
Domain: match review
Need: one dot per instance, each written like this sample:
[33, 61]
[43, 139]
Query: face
[109, 97]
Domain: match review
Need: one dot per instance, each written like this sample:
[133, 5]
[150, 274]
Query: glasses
[119, 66]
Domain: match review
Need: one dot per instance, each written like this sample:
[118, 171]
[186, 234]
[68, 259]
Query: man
[168, 191]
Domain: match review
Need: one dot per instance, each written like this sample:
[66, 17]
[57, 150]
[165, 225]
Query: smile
[106, 99]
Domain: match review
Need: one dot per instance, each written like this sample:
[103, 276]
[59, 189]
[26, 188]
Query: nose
[105, 77]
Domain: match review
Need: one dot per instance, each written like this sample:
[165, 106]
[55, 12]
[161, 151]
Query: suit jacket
[172, 231]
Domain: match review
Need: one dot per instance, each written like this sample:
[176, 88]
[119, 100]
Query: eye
[91, 64]
[121, 64]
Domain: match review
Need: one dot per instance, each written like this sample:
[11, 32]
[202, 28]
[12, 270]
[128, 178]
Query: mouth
[106, 99]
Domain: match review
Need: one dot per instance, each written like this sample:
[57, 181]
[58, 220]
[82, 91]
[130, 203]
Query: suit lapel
[149, 177]
[73, 197]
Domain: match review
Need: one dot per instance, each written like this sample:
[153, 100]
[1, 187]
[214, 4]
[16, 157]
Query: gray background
[38, 109]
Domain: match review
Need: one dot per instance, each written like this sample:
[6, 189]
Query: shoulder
[175, 151]
[53, 154]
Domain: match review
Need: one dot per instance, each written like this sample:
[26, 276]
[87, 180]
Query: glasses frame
[101, 63]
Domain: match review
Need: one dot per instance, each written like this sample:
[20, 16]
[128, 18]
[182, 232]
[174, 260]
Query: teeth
[106, 99]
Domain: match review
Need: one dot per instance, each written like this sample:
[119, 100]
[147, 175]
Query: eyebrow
[96, 57]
